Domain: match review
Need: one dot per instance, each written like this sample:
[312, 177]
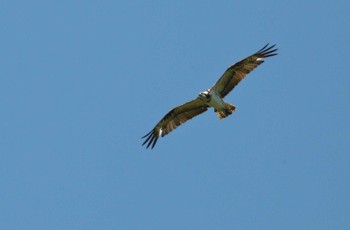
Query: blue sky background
[82, 81]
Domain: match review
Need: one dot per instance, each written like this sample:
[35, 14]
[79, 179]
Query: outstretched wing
[173, 119]
[235, 73]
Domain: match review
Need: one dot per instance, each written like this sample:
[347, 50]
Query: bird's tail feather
[228, 111]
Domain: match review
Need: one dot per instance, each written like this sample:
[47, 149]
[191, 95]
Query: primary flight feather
[209, 98]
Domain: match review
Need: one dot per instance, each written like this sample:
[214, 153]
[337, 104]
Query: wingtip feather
[267, 51]
[151, 139]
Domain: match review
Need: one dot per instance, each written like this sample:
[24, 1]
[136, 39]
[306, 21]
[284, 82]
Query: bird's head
[204, 96]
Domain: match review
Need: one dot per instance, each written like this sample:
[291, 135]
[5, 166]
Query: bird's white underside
[216, 102]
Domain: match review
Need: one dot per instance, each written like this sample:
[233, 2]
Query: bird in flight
[209, 98]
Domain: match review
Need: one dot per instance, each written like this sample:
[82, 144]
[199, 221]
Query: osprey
[209, 98]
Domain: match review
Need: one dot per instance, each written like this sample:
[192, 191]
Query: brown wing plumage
[173, 119]
[235, 73]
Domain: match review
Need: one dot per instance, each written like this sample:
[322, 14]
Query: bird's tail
[228, 111]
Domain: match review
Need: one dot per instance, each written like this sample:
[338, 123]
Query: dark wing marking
[234, 74]
[173, 119]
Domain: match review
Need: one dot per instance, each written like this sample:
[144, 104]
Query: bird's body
[212, 97]
[214, 100]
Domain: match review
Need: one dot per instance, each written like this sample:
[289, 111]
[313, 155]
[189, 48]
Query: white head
[205, 96]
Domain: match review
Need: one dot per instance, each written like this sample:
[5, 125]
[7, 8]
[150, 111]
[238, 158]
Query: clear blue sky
[82, 81]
